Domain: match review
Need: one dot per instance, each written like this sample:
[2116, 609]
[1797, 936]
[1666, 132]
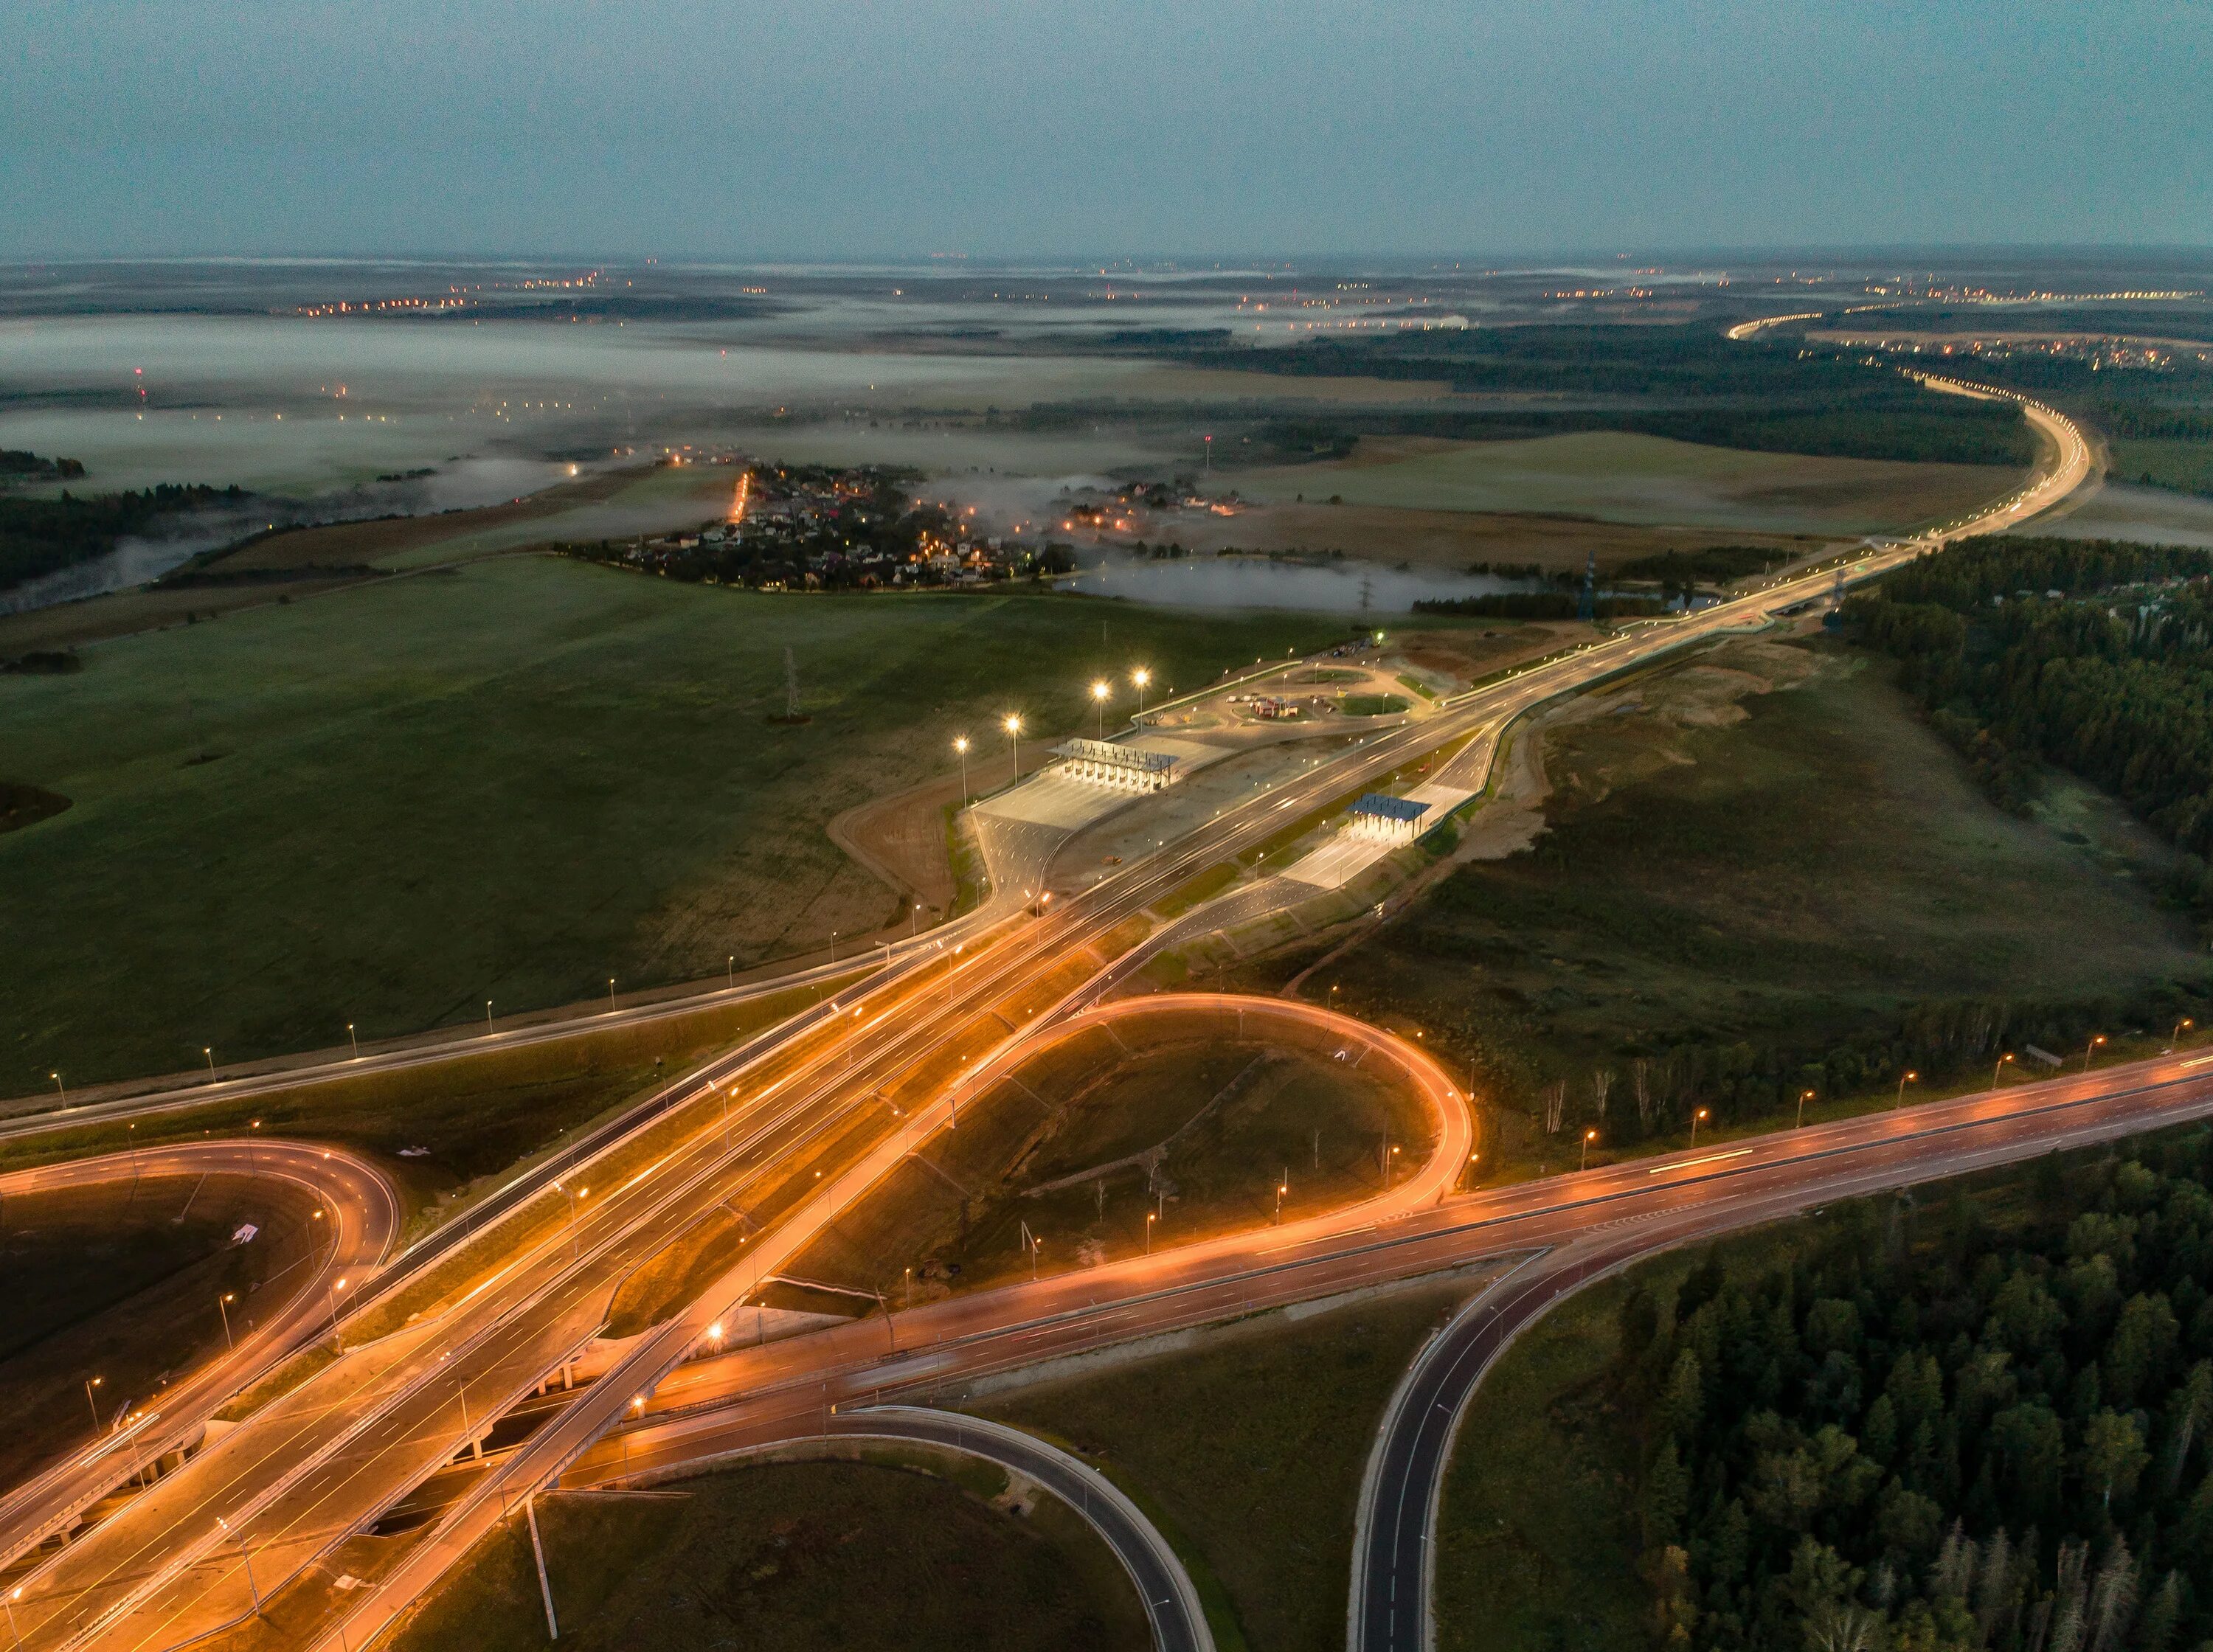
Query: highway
[363, 1215]
[1572, 1228]
[810, 1108]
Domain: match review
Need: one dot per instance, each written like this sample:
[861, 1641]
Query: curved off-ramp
[364, 1218]
[1172, 1602]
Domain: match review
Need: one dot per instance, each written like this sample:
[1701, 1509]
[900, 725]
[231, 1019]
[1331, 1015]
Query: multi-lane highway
[354, 1198]
[1568, 1229]
[791, 1129]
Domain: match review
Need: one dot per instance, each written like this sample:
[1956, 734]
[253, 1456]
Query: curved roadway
[364, 1218]
[1171, 1599]
[330, 1474]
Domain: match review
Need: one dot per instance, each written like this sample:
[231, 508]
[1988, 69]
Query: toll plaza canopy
[1386, 816]
[1111, 765]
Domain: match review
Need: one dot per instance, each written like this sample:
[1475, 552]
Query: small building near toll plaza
[1392, 820]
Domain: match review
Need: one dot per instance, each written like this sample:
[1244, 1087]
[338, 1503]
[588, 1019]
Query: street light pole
[209, 1052]
[1998, 1069]
[961, 745]
[90, 1384]
[1907, 1077]
[221, 1304]
[1590, 1136]
[1140, 678]
[2174, 1038]
[61, 1086]
[1695, 1117]
[354, 1041]
[610, 995]
[1014, 726]
[2091, 1050]
[1098, 693]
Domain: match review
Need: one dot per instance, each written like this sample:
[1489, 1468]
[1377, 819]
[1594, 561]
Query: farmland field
[1619, 477]
[509, 782]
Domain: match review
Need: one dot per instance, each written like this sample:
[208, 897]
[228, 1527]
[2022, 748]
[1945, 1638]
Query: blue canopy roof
[1390, 808]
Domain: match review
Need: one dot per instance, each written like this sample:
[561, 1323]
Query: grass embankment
[1248, 1451]
[1762, 873]
[1536, 1544]
[1194, 1120]
[509, 783]
[122, 1283]
[798, 1556]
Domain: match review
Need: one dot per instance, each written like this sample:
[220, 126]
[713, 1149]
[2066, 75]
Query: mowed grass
[794, 1557]
[1053, 1155]
[511, 782]
[1536, 1540]
[1623, 477]
[1248, 1452]
[1799, 876]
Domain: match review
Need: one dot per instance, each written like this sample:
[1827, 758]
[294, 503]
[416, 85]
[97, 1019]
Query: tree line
[2095, 655]
[1940, 1435]
[40, 536]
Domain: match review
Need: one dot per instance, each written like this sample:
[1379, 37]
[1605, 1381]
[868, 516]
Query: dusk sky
[840, 129]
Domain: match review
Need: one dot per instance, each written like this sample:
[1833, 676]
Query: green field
[509, 782]
[2185, 466]
[1234, 1115]
[1536, 1544]
[1247, 1452]
[1624, 476]
[796, 1558]
[1756, 893]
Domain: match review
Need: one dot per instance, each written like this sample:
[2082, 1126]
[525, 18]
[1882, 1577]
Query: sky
[853, 129]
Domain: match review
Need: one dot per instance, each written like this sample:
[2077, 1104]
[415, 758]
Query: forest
[38, 536]
[2094, 655]
[1988, 1426]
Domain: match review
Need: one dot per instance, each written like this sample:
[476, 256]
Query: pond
[1336, 586]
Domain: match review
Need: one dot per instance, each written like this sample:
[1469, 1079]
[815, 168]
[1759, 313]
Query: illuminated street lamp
[961, 745]
[61, 1086]
[1590, 1136]
[1998, 1069]
[2090, 1050]
[209, 1052]
[222, 1306]
[354, 1041]
[1695, 1118]
[1141, 679]
[338, 1335]
[1099, 691]
[1150, 1218]
[1013, 725]
[1907, 1077]
[2174, 1037]
[90, 1384]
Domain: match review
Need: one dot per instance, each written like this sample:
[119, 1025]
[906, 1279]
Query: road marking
[2197, 1061]
[1686, 1164]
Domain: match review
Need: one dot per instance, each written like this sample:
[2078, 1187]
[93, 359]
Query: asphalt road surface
[805, 1139]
